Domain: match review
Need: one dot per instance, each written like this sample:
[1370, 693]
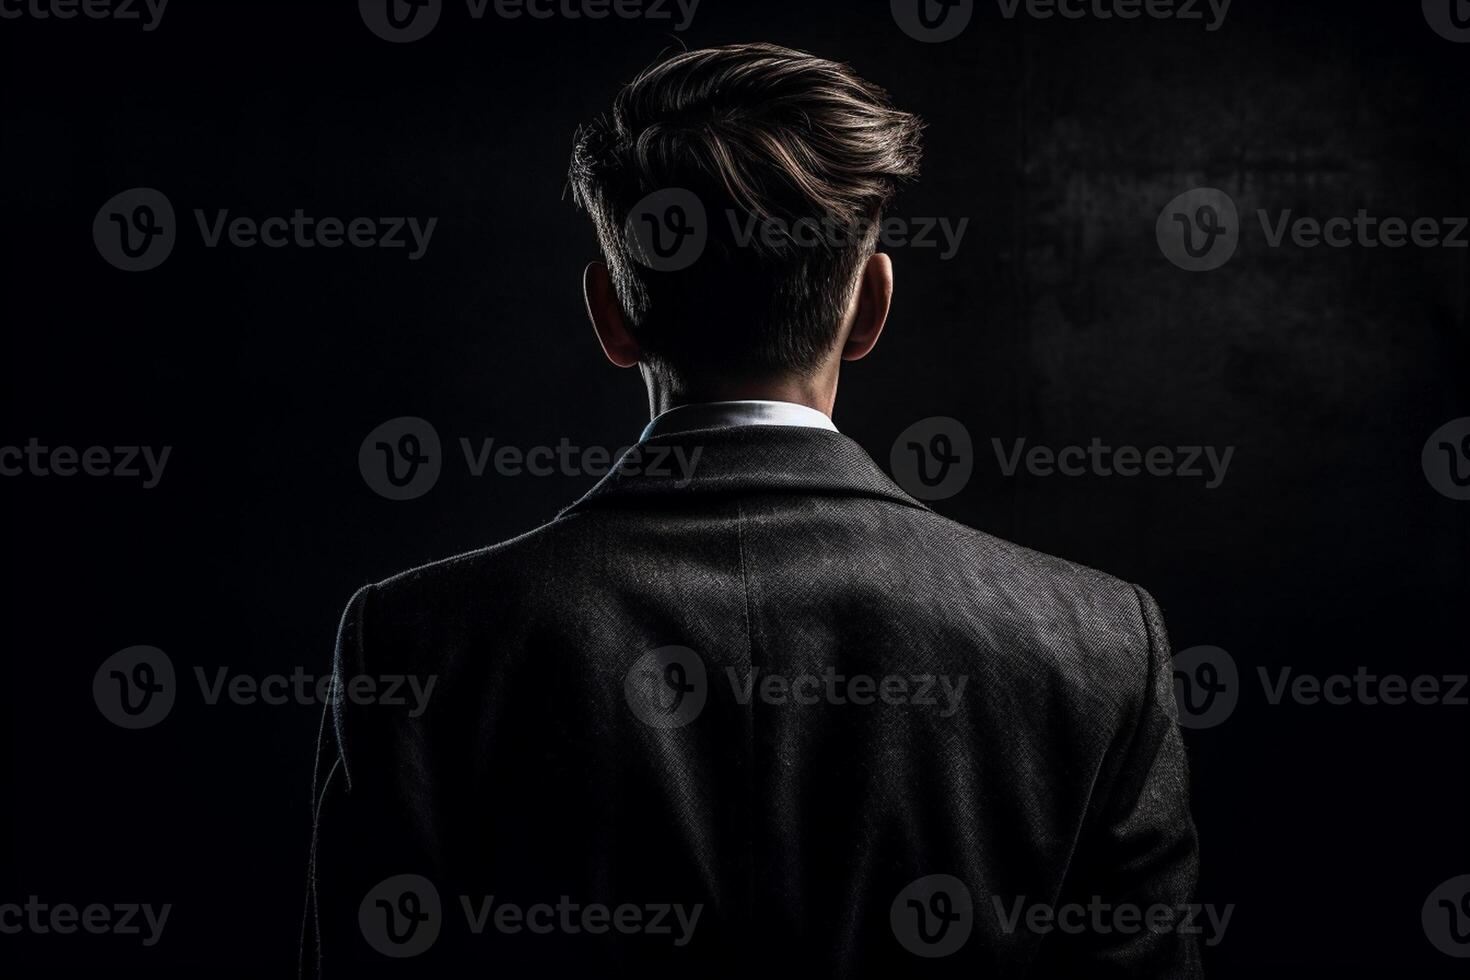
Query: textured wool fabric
[796, 822]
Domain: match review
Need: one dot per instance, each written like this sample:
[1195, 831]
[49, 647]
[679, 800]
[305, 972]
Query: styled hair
[793, 160]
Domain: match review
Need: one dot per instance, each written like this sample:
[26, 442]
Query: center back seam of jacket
[750, 789]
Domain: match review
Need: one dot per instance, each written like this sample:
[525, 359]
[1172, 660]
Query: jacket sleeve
[338, 829]
[1139, 850]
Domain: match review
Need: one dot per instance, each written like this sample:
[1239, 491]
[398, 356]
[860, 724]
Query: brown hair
[757, 133]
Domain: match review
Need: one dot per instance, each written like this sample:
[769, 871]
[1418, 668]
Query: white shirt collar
[725, 415]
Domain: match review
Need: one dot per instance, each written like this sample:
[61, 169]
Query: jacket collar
[742, 460]
[727, 414]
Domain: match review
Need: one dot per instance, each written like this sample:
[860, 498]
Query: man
[768, 714]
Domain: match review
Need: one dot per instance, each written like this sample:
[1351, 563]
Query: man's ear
[607, 319]
[870, 308]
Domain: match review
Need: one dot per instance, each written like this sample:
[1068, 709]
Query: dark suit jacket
[591, 743]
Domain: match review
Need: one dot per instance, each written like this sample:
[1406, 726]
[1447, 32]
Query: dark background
[1059, 320]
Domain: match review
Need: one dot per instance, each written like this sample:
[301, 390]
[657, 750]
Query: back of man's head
[792, 160]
